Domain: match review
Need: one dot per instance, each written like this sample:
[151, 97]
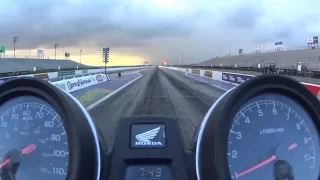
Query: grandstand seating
[283, 59]
[12, 65]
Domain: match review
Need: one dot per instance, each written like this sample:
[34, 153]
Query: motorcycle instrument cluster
[266, 128]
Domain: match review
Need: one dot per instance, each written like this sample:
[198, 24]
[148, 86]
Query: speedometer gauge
[273, 137]
[45, 134]
[33, 141]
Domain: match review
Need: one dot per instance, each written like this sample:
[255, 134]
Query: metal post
[15, 39]
[55, 51]
[182, 58]
[177, 60]
[80, 55]
[105, 68]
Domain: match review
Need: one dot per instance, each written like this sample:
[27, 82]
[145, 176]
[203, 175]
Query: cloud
[157, 30]
[49, 22]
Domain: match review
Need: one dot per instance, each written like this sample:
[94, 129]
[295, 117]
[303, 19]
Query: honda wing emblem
[147, 136]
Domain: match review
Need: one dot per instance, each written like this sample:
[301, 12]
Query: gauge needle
[4, 163]
[27, 150]
[30, 148]
[265, 162]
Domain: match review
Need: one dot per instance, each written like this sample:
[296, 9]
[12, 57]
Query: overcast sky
[155, 30]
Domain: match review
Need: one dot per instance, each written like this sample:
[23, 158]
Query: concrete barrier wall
[235, 78]
[75, 84]
[53, 75]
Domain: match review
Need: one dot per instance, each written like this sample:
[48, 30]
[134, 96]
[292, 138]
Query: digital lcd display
[148, 172]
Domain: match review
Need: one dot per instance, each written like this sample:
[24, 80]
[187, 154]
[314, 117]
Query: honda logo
[148, 135]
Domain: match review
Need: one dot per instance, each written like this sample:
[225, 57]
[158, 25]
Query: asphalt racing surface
[158, 92]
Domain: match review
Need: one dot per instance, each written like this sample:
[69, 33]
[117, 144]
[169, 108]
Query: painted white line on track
[113, 93]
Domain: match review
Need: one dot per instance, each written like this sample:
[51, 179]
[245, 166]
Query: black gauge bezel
[81, 143]
[212, 156]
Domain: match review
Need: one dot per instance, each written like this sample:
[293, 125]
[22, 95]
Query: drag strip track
[159, 92]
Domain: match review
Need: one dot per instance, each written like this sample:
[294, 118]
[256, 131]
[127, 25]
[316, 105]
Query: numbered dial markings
[273, 136]
[33, 141]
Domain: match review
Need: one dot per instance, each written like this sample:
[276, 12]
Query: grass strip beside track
[92, 96]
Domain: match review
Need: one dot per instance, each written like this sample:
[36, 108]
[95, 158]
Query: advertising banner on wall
[99, 78]
[66, 73]
[235, 78]
[42, 76]
[60, 84]
[196, 71]
[74, 84]
[208, 74]
[80, 83]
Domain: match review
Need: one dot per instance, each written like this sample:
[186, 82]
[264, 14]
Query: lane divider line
[113, 93]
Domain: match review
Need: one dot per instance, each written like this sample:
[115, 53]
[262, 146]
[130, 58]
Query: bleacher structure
[282, 59]
[13, 65]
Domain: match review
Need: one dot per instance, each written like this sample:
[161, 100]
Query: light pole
[55, 51]
[177, 60]
[182, 58]
[80, 55]
[15, 39]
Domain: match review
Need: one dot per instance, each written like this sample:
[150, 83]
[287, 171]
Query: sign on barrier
[208, 74]
[74, 84]
[66, 73]
[61, 85]
[196, 71]
[99, 78]
[80, 83]
[42, 76]
[235, 78]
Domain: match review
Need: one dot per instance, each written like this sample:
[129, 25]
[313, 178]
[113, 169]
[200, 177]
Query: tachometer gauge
[33, 141]
[273, 137]
[266, 128]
